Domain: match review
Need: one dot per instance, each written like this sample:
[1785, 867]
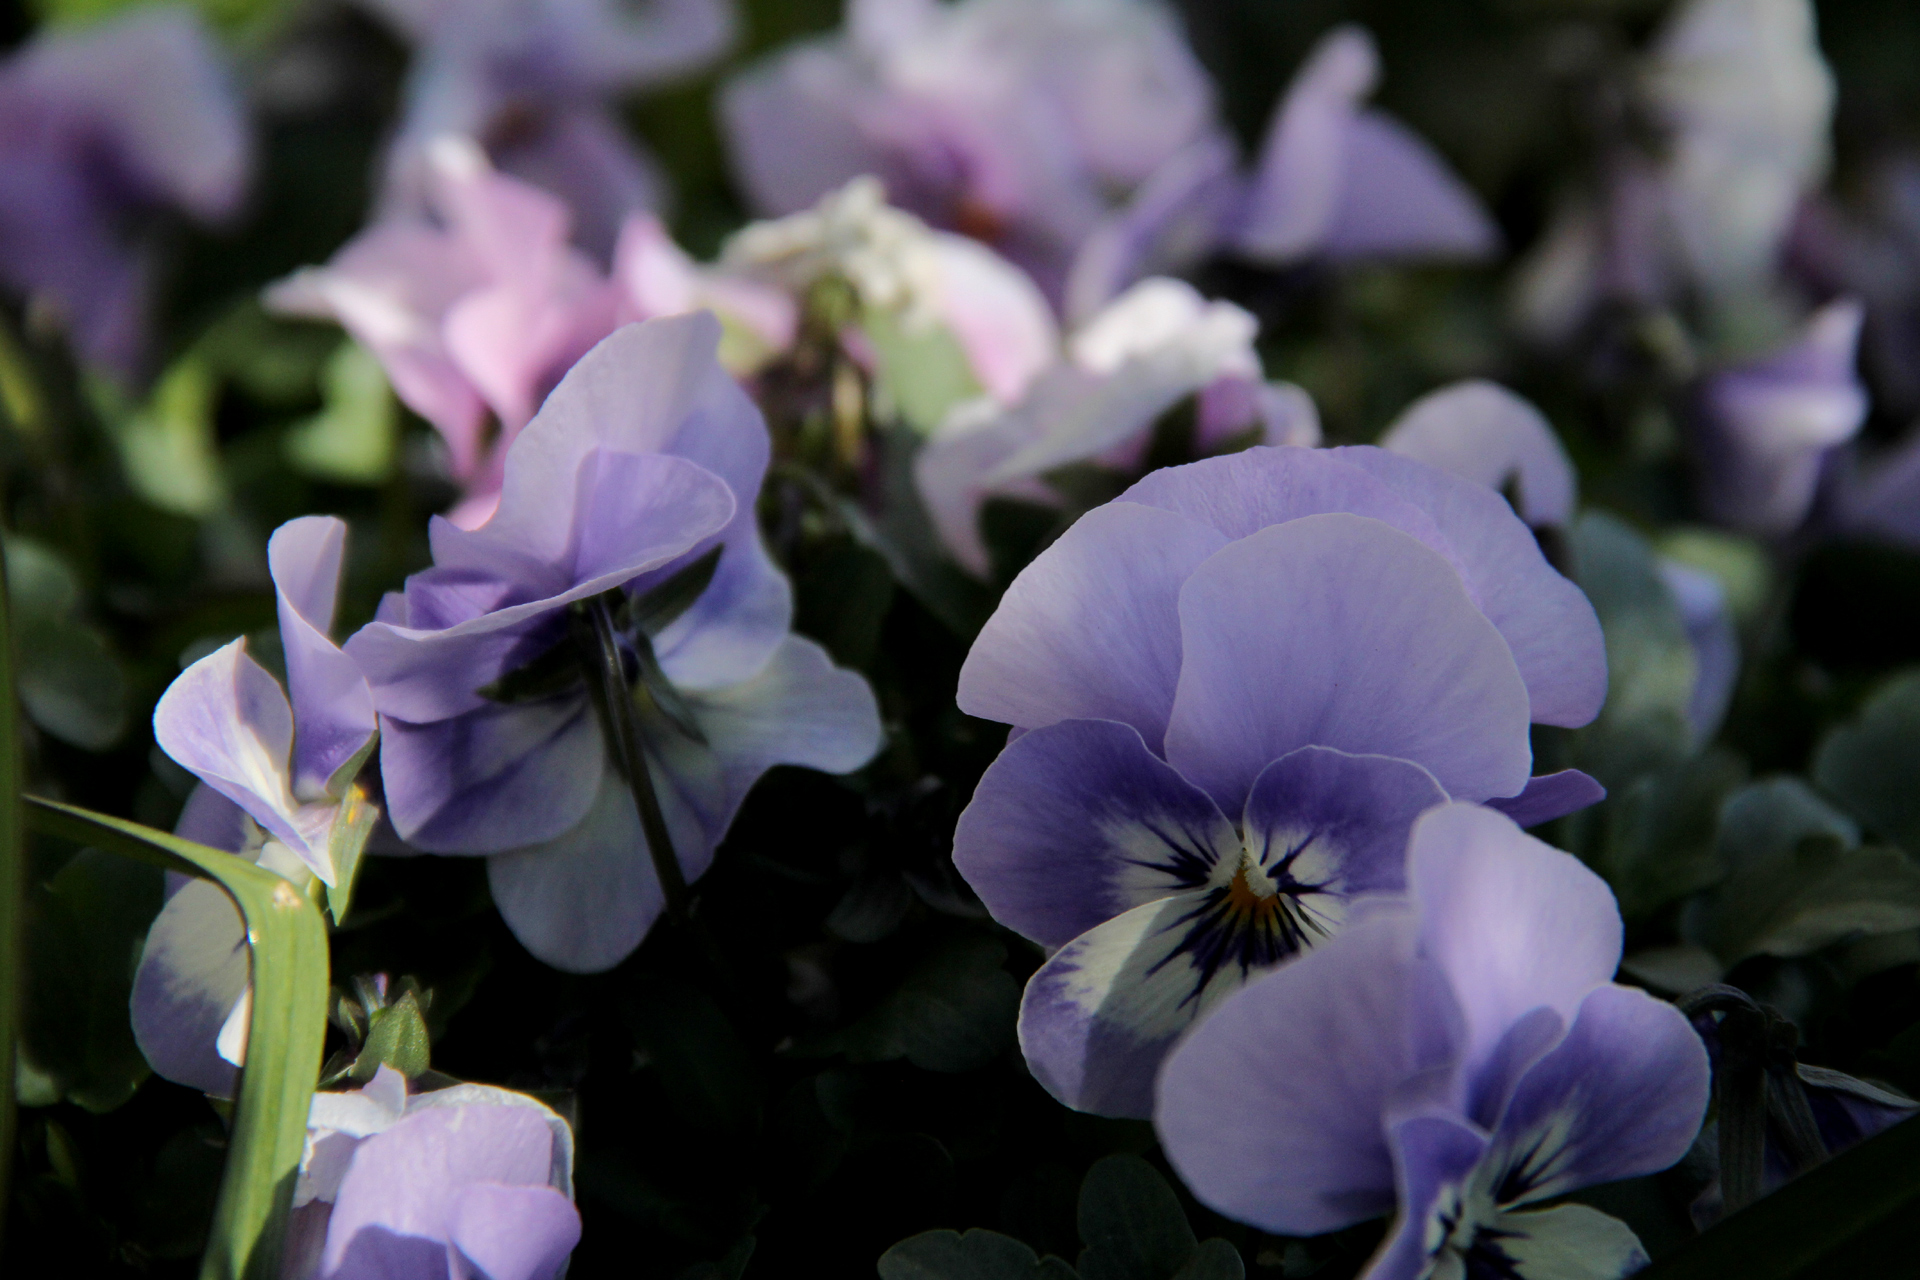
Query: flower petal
[225, 719]
[494, 779]
[1549, 796]
[1270, 1109]
[1570, 1242]
[500, 1232]
[1090, 629]
[1514, 923]
[1337, 630]
[1347, 817]
[1484, 433]
[1077, 822]
[1434, 1158]
[194, 966]
[332, 707]
[1302, 170]
[1399, 200]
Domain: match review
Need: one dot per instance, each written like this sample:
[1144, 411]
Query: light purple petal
[1716, 645]
[1337, 630]
[1077, 822]
[511, 1233]
[1090, 629]
[559, 1169]
[950, 471]
[1515, 924]
[1549, 796]
[395, 1207]
[1270, 1110]
[1547, 622]
[1400, 200]
[1622, 1095]
[1434, 1154]
[583, 155]
[1350, 812]
[332, 707]
[1482, 432]
[227, 721]
[1302, 171]
[493, 779]
[793, 128]
[193, 967]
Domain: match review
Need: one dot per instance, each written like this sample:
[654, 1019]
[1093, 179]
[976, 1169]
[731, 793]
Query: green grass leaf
[284, 1041]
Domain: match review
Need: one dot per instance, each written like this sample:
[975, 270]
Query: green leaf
[12, 888]
[1872, 763]
[698, 1058]
[1215, 1259]
[284, 1038]
[1653, 838]
[167, 446]
[396, 1037]
[954, 1011]
[348, 839]
[1131, 1223]
[84, 929]
[977, 1255]
[1850, 1218]
[354, 437]
[1798, 880]
[1651, 666]
[69, 680]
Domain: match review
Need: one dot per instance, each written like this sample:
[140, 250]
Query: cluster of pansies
[1290, 718]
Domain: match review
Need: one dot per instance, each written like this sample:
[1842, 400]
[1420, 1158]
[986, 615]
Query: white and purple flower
[1458, 1056]
[1232, 691]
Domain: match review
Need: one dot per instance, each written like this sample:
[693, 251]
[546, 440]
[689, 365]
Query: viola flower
[537, 83]
[638, 475]
[1334, 180]
[1708, 618]
[1458, 1057]
[899, 268]
[1149, 349]
[101, 128]
[277, 787]
[464, 1181]
[1232, 690]
[1482, 432]
[1010, 121]
[476, 311]
[1764, 429]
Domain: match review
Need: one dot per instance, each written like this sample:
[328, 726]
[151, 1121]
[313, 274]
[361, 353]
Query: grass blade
[284, 1042]
[12, 890]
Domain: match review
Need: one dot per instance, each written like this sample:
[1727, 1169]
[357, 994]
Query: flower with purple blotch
[1764, 429]
[466, 1181]
[1459, 1054]
[99, 127]
[1232, 691]
[637, 478]
[277, 787]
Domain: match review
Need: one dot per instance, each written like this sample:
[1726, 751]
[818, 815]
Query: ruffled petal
[1077, 822]
[1090, 629]
[500, 1232]
[225, 719]
[1270, 1109]
[1303, 167]
[1482, 432]
[1337, 630]
[332, 707]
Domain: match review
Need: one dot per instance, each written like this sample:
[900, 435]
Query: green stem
[606, 672]
[288, 1030]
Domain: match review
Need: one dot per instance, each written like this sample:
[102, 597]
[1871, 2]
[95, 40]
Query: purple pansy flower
[1334, 180]
[1460, 1053]
[1150, 348]
[97, 125]
[1012, 121]
[1764, 429]
[464, 1182]
[276, 787]
[535, 82]
[1232, 691]
[1482, 432]
[642, 466]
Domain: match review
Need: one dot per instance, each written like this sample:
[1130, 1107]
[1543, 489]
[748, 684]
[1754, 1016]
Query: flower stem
[606, 672]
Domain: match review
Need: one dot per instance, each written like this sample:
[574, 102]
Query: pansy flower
[1458, 1057]
[464, 1181]
[1145, 352]
[276, 787]
[100, 128]
[536, 82]
[637, 477]
[1232, 690]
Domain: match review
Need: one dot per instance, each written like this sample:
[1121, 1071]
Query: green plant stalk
[599, 652]
[12, 891]
[284, 1041]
